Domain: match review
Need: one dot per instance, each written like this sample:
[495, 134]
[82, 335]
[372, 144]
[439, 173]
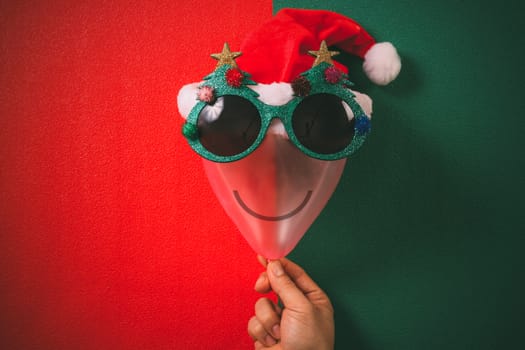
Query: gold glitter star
[226, 57]
[323, 55]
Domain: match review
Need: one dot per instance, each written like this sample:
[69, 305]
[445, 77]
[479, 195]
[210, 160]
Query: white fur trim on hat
[382, 63]
[275, 94]
[187, 99]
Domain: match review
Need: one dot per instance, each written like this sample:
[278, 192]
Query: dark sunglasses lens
[230, 126]
[321, 124]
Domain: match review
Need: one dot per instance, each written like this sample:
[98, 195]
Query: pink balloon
[274, 194]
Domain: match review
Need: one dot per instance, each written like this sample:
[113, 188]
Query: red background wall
[110, 235]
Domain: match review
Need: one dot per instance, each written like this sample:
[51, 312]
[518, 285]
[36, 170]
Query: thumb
[281, 283]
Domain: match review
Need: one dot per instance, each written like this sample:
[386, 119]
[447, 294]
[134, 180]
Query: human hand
[306, 321]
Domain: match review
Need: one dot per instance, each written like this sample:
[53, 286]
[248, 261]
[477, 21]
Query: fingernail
[269, 341]
[262, 260]
[276, 330]
[259, 280]
[277, 268]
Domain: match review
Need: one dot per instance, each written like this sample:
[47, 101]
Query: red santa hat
[278, 50]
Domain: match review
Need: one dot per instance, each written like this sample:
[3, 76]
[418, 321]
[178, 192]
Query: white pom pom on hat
[382, 63]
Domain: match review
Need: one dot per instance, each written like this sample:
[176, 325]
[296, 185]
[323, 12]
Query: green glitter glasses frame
[229, 122]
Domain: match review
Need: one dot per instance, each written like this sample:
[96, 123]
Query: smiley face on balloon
[275, 126]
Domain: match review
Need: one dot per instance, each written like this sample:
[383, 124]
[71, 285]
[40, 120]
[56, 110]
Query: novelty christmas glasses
[322, 119]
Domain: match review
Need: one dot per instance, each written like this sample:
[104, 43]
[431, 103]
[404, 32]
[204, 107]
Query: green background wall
[421, 245]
